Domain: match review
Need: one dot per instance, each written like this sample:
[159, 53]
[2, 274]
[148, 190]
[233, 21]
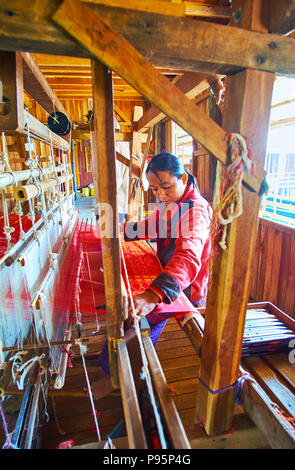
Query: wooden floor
[72, 419]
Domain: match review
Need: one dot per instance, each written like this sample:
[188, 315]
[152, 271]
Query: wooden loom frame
[19, 122]
[244, 85]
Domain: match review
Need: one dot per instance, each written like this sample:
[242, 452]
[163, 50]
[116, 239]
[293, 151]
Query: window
[279, 203]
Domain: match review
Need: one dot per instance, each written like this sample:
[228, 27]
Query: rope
[227, 199]
[145, 373]
[92, 292]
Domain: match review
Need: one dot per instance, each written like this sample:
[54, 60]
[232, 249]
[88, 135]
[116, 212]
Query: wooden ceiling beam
[38, 87]
[177, 9]
[150, 6]
[187, 44]
[112, 49]
[47, 60]
[202, 10]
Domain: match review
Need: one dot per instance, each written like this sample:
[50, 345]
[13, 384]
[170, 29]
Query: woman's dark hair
[166, 161]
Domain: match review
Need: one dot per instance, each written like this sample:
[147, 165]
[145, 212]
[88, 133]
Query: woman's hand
[143, 304]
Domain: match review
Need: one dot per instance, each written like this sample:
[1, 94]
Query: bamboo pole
[29, 191]
[41, 132]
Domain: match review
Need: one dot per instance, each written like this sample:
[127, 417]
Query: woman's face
[166, 187]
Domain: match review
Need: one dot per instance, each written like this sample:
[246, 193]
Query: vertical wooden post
[74, 169]
[246, 111]
[106, 177]
[12, 107]
[95, 169]
[134, 204]
[170, 139]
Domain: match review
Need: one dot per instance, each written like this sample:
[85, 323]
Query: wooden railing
[273, 269]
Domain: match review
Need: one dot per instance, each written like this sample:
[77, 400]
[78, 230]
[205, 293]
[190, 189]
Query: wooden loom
[231, 303]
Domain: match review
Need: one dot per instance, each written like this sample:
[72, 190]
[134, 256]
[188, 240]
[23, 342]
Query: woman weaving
[180, 222]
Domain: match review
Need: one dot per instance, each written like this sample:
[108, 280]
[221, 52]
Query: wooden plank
[283, 367]
[246, 111]
[250, 438]
[179, 362]
[106, 172]
[200, 9]
[260, 408]
[133, 420]
[173, 423]
[194, 333]
[37, 86]
[26, 26]
[151, 6]
[182, 374]
[11, 76]
[112, 49]
[271, 383]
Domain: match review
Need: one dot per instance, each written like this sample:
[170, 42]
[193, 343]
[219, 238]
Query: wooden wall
[273, 274]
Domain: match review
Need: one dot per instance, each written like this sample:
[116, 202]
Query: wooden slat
[282, 366]
[173, 424]
[151, 6]
[249, 438]
[271, 383]
[112, 49]
[133, 420]
[277, 431]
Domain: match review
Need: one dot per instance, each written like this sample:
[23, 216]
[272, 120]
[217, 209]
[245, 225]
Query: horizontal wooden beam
[204, 10]
[167, 42]
[150, 6]
[112, 50]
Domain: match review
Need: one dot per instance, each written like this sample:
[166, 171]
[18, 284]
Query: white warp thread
[145, 373]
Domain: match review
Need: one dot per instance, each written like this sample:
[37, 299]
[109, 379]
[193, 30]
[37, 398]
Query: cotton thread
[145, 374]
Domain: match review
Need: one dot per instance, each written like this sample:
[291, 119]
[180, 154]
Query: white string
[145, 374]
[92, 291]
[82, 351]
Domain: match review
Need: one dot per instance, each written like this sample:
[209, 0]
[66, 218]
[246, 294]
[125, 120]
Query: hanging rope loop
[227, 200]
